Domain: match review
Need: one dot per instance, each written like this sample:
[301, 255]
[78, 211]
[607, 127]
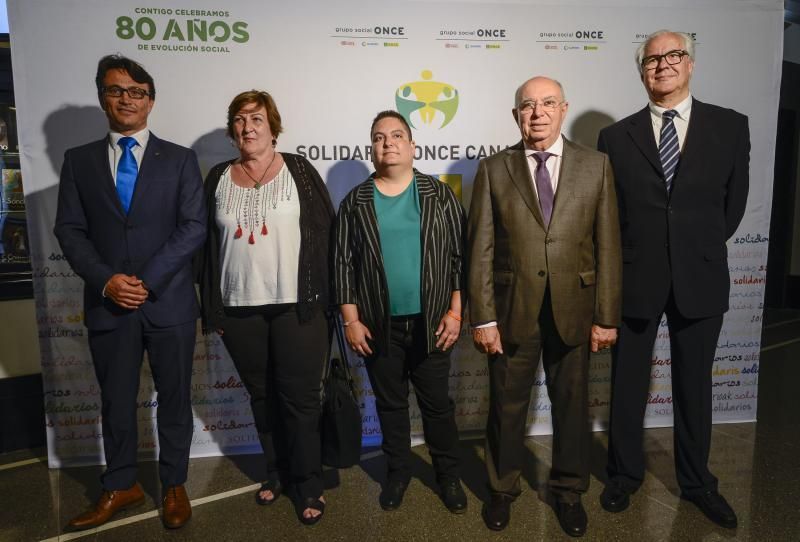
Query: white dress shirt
[681, 120]
[553, 163]
[115, 152]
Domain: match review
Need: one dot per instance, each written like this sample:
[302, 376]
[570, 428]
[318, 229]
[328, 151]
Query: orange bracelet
[453, 315]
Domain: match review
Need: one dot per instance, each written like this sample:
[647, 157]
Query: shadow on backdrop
[466, 168]
[67, 127]
[343, 176]
[71, 126]
[587, 126]
[213, 148]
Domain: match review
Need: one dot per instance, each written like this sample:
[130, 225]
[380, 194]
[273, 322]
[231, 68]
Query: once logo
[589, 34]
[424, 98]
[491, 32]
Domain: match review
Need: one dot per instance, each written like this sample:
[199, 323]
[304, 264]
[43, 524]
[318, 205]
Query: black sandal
[270, 485]
[314, 504]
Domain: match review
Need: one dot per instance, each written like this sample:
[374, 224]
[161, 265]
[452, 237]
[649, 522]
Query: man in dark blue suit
[681, 168]
[130, 216]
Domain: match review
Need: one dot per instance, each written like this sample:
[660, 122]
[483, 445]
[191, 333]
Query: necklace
[257, 183]
[251, 207]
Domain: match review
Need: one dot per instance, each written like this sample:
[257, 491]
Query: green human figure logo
[427, 97]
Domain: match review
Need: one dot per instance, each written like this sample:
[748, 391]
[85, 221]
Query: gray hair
[688, 45]
[518, 93]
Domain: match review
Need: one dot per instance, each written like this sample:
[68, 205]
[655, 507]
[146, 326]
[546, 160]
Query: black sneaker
[392, 495]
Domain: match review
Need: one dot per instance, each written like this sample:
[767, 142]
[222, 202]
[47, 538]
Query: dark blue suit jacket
[154, 241]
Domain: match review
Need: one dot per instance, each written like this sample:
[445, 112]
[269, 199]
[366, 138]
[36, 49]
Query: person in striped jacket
[398, 277]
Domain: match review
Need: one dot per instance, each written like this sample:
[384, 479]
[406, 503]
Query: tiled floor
[758, 466]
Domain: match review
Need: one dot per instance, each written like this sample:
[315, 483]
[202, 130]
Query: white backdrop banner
[452, 67]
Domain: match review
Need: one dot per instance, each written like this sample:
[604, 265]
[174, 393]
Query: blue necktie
[126, 172]
[544, 185]
[668, 148]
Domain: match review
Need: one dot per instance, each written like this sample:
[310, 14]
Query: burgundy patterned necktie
[543, 185]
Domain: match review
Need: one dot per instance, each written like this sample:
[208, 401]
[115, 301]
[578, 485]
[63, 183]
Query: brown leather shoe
[109, 503]
[177, 509]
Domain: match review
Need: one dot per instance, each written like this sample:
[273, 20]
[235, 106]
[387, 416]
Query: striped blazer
[359, 276]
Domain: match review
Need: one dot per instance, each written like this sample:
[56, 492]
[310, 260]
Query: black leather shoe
[453, 497]
[497, 513]
[572, 518]
[715, 507]
[392, 495]
[615, 498]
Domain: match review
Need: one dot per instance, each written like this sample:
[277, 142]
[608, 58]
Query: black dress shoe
[392, 495]
[497, 513]
[715, 507]
[572, 518]
[453, 497]
[615, 498]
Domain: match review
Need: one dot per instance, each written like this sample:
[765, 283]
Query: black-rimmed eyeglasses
[134, 93]
[672, 57]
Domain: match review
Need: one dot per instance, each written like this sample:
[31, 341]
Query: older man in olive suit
[544, 278]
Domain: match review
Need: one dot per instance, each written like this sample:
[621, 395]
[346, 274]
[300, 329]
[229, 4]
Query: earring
[274, 141]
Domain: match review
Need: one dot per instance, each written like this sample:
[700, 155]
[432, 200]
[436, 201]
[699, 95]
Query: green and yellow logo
[421, 100]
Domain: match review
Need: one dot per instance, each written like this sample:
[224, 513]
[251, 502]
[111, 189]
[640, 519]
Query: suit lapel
[427, 201]
[567, 176]
[365, 211]
[696, 135]
[520, 173]
[103, 168]
[641, 131]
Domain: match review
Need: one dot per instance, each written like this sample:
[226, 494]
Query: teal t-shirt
[399, 228]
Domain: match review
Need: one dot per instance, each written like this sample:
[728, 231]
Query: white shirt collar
[556, 149]
[141, 137]
[683, 108]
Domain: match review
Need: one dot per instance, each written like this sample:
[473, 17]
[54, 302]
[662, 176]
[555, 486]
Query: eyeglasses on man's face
[672, 57]
[527, 107]
[134, 93]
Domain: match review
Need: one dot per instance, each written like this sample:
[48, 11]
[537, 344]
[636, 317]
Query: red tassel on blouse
[238, 233]
[263, 228]
[252, 239]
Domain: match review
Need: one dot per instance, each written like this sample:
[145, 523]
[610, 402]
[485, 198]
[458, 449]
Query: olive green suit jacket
[513, 256]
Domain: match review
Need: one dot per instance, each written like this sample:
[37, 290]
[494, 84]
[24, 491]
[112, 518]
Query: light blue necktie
[127, 171]
[668, 148]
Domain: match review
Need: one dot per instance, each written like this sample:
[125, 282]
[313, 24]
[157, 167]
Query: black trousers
[117, 356]
[511, 378]
[280, 362]
[389, 374]
[693, 343]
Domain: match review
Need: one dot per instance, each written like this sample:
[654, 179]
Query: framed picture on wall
[8, 129]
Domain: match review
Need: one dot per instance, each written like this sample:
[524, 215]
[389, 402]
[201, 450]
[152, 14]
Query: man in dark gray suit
[682, 169]
[544, 278]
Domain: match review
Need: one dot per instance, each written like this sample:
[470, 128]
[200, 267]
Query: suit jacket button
[542, 273]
